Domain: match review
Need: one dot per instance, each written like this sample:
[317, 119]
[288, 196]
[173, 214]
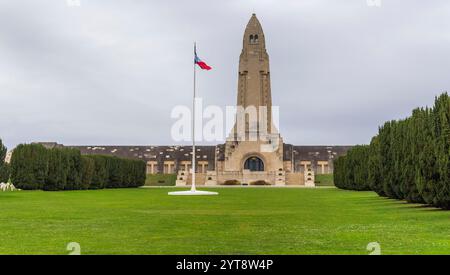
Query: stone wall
[295, 179]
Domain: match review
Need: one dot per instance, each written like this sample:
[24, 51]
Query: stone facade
[210, 161]
[254, 152]
[8, 157]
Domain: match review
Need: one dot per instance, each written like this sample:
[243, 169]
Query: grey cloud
[110, 72]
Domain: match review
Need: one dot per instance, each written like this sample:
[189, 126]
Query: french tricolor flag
[200, 63]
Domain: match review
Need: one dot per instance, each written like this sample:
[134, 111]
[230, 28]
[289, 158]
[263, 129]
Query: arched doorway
[254, 164]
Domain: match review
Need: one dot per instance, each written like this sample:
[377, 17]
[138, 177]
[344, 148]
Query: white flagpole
[193, 129]
[193, 191]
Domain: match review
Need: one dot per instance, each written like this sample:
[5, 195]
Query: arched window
[256, 38]
[251, 39]
[254, 164]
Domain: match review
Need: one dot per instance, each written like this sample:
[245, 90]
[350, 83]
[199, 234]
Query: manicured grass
[160, 179]
[238, 221]
[324, 180]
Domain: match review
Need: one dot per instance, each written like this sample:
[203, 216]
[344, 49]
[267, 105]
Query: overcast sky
[110, 72]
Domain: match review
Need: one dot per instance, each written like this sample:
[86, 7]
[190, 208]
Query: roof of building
[148, 153]
[314, 152]
[203, 152]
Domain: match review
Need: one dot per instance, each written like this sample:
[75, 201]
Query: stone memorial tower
[254, 148]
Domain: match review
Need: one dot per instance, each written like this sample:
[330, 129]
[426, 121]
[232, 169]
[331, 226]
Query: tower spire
[254, 35]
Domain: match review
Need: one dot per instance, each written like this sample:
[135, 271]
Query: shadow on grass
[399, 204]
[402, 204]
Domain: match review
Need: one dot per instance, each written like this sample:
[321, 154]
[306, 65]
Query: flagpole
[193, 129]
[193, 191]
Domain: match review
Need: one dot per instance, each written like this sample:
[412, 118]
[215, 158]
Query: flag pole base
[193, 193]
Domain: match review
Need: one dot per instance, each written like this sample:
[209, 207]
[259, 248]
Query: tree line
[35, 167]
[408, 159]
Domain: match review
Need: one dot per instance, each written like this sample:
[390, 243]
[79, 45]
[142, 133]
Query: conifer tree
[441, 116]
[375, 177]
[74, 174]
[58, 168]
[408, 159]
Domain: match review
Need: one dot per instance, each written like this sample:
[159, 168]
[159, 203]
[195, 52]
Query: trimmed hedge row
[35, 167]
[409, 159]
[350, 171]
[4, 167]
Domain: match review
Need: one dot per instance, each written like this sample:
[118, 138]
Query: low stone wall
[246, 178]
[295, 179]
[200, 179]
[212, 178]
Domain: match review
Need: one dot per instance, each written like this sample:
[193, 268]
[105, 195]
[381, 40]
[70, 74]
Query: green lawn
[324, 180]
[160, 179]
[238, 221]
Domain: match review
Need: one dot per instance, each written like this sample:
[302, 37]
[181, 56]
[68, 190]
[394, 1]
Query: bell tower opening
[254, 164]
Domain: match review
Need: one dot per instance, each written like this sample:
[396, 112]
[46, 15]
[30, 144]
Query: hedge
[29, 166]
[350, 172]
[58, 170]
[409, 159]
[35, 167]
